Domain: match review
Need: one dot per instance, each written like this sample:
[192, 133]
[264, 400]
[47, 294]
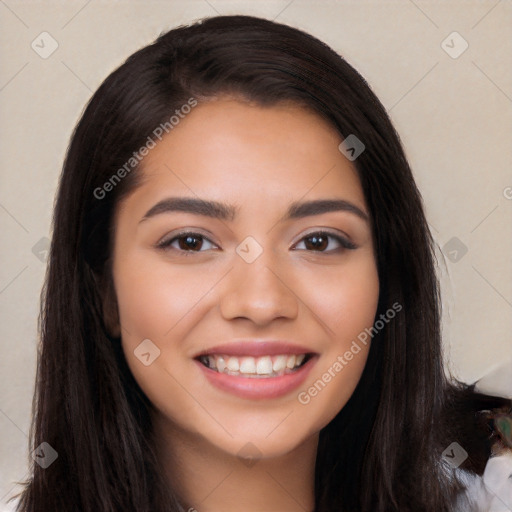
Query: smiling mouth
[255, 367]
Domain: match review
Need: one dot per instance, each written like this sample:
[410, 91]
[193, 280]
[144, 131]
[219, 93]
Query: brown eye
[186, 242]
[320, 241]
[317, 242]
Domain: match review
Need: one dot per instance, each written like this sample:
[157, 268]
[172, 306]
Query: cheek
[344, 299]
[153, 297]
[152, 300]
[347, 306]
[159, 302]
[356, 304]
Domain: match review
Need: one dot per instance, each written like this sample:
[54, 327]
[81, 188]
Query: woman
[241, 307]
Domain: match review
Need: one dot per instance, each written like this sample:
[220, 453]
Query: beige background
[453, 114]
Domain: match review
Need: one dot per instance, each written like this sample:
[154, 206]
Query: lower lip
[258, 388]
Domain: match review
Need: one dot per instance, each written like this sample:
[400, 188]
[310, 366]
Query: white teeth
[233, 365]
[248, 365]
[221, 364]
[264, 366]
[279, 363]
[290, 363]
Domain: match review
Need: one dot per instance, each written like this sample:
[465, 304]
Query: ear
[110, 308]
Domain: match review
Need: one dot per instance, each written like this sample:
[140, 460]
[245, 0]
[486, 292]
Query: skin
[261, 160]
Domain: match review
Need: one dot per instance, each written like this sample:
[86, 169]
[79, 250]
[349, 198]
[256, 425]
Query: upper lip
[255, 348]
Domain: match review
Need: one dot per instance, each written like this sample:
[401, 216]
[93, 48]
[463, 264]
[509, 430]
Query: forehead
[238, 130]
[250, 153]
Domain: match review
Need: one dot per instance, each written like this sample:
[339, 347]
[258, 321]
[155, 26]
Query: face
[271, 283]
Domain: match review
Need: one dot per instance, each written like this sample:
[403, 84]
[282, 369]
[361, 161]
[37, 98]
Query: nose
[259, 291]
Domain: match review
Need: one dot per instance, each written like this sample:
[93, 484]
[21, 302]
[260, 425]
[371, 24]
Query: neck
[208, 479]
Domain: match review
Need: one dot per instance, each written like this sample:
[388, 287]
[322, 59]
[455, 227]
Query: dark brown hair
[382, 452]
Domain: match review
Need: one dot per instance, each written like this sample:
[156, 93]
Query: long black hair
[382, 452]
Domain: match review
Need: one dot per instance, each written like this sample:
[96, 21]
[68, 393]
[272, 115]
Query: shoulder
[491, 492]
[486, 475]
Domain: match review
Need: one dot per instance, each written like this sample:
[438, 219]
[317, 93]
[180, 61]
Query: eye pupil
[317, 242]
[188, 242]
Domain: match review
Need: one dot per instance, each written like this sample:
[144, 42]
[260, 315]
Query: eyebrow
[223, 211]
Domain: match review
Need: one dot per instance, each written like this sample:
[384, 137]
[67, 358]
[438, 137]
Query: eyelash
[166, 244]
